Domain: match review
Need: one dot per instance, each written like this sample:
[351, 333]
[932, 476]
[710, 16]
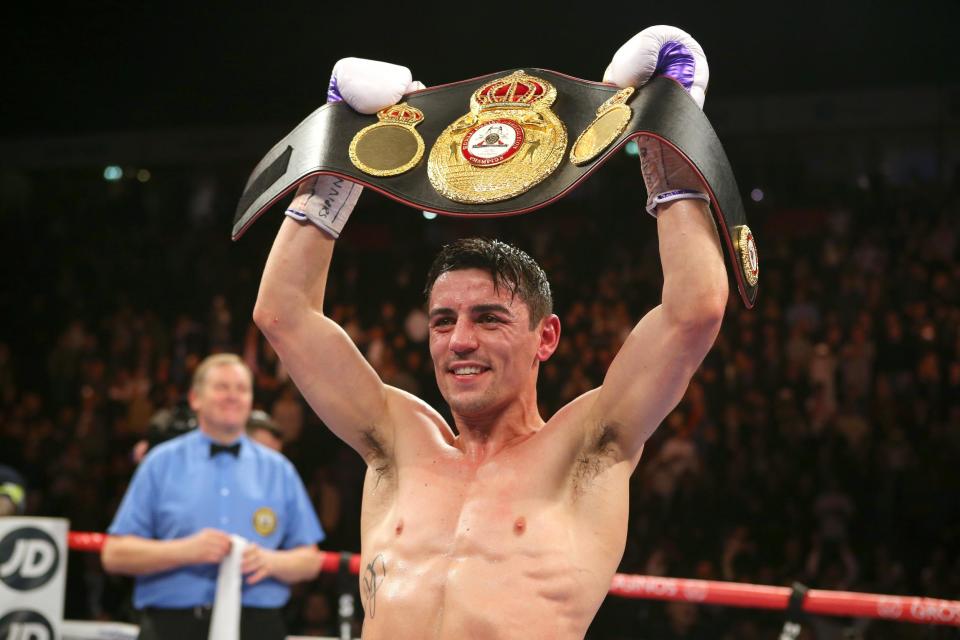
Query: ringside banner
[33, 559]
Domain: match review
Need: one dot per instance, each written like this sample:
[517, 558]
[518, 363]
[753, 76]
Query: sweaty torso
[520, 544]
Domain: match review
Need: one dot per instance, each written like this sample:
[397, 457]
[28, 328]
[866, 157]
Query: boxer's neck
[484, 435]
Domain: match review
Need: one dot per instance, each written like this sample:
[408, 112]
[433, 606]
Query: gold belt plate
[611, 120]
[391, 146]
[510, 141]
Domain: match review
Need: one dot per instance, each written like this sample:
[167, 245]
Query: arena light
[632, 149]
[429, 215]
[757, 194]
[112, 173]
[143, 175]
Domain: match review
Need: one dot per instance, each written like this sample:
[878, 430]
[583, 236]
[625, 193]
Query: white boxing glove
[663, 51]
[367, 86]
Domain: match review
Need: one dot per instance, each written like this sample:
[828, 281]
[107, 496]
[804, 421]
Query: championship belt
[499, 145]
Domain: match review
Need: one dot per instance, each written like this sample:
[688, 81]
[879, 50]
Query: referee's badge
[264, 521]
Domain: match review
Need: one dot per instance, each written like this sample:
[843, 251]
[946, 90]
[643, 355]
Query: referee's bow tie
[232, 449]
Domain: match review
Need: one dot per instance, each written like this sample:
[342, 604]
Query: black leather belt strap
[319, 145]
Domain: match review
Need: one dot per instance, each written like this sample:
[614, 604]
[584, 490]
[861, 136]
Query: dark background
[106, 66]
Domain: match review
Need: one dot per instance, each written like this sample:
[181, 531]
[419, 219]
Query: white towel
[225, 619]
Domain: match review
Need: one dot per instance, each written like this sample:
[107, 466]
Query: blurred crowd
[818, 442]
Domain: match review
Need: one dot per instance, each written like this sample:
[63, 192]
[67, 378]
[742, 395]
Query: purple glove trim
[675, 61]
[333, 91]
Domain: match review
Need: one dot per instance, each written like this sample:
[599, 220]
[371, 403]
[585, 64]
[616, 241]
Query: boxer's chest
[500, 506]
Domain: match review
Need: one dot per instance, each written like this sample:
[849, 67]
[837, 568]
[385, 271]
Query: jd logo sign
[25, 625]
[28, 559]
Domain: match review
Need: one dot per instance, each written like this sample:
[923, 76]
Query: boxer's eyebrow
[491, 308]
[475, 310]
[441, 311]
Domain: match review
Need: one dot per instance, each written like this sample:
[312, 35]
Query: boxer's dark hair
[509, 267]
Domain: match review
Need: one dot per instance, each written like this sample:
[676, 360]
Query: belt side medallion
[612, 118]
[746, 246]
[391, 146]
[510, 141]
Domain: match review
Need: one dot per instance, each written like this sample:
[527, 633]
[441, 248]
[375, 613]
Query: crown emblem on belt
[401, 113]
[516, 90]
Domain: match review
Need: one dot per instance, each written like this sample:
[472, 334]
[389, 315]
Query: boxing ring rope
[731, 594]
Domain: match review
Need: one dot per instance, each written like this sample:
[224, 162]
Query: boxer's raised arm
[650, 374]
[332, 375]
[329, 370]
[654, 367]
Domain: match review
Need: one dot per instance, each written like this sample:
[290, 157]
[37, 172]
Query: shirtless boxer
[504, 526]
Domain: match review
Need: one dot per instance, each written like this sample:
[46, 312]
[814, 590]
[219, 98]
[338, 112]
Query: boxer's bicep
[648, 378]
[333, 376]
[336, 381]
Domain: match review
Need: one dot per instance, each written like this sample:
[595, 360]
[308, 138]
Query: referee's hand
[257, 563]
[207, 546]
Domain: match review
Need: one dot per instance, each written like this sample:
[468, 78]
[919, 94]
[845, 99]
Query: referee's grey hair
[216, 360]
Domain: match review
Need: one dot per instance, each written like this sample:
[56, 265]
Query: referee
[173, 526]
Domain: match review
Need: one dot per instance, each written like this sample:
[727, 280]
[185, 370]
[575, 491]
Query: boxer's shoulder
[412, 418]
[577, 416]
[410, 435]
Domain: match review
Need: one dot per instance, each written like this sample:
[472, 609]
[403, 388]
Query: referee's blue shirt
[180, 489]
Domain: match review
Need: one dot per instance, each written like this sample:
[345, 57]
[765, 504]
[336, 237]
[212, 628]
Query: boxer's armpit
[373, 576]
[599, 453]
[377, 458]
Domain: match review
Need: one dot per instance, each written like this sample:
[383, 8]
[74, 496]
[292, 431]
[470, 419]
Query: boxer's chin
[469, 402]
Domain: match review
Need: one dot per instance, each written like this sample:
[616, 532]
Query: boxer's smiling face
[224, 400]
[484, 353]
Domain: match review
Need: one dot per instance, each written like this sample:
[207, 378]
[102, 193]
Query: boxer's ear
[549, 330]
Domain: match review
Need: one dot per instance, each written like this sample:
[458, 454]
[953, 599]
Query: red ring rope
[731, 594]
